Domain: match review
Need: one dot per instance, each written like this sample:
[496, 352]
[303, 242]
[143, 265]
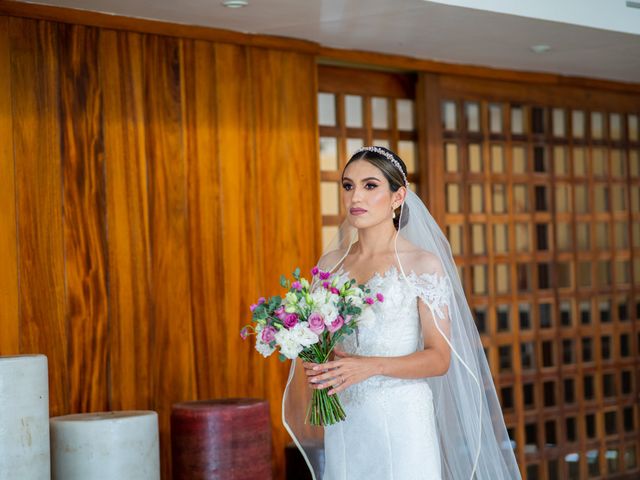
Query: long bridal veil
[473, 439]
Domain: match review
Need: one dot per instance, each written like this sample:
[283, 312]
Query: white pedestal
[120, 445]
[24, 417]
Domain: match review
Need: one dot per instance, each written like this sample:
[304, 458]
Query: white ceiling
[414, 28]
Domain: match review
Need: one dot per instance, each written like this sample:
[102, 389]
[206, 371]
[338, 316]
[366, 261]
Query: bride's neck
[375, 240]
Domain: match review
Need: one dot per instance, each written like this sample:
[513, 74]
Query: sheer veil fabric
[472, 435]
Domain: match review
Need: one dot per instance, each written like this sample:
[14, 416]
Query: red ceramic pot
[226, 439]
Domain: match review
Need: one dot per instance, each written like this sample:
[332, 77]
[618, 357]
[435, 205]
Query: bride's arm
[432, 361]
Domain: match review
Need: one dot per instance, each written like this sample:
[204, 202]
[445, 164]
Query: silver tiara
[388, 156]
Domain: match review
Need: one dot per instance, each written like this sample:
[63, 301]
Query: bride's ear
[400, 195]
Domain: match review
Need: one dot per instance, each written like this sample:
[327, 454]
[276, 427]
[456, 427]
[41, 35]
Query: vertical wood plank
[172, 353]
[9, 314]
[35, 94]
[431, 170]
[205, 233]
[84, 217]
[239, 219]
[284, 94]
[127, 210]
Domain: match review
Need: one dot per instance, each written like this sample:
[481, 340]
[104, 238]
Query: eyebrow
[364, 179]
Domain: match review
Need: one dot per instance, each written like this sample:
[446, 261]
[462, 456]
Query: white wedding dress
[390, 432]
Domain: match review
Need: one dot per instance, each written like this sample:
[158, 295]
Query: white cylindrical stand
[24, 417]
[105, 445]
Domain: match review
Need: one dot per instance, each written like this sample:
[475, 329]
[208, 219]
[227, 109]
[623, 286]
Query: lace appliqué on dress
[433, 289]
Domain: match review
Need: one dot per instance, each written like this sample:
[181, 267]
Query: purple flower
[268, 334]
[253, 307]
[369, 300]
[280, 313]
[380, 297]
[296, 285]
[316, 323]
[315, 270]
[326, 285]
[336, 324]
[261, 300]
[290, 320]
[335, 290]
[244, 333]
[324, 275]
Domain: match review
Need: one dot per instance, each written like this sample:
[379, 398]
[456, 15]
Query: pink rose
[380, 297]
[291, 320]
[316, 323]
[335, 290]
[336, 324]
[280, 313]
[315, 270]
[324, 275]
[268, 334]
[369, 300]
[296, 285]
[326, 285]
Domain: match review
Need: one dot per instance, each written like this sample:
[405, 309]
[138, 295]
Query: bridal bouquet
[307, 323]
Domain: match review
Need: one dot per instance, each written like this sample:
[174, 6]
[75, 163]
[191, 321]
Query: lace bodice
[392, 327]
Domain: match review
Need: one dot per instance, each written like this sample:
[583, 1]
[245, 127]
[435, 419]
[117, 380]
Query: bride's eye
[372, 185]
[346, 186]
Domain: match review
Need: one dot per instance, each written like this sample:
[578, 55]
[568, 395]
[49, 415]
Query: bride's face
[366, 195]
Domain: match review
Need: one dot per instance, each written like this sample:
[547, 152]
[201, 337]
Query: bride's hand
[344, 371]
[309, 370]
[311, 373]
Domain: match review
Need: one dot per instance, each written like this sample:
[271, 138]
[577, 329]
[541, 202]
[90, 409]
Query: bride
[413, 379]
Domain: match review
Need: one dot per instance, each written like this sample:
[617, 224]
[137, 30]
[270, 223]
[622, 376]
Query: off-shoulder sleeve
[435, 290]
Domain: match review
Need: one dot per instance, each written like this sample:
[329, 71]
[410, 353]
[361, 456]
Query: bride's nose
[357, 194]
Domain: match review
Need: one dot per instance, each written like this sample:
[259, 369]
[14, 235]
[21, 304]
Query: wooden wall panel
[127, 207]
[205, 235]
[162, 185]
[289, 194]
[172, 352]
[36, 134]
[240, 217]
[9, 316]
[82, 153]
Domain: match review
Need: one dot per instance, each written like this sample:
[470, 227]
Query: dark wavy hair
[390, 172]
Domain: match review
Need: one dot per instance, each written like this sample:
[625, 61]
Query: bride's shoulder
[422, 261]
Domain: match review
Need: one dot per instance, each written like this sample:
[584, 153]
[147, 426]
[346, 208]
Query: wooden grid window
[541, 205]
[542, 208]
[357, 108]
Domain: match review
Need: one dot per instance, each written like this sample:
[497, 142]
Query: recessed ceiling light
[540, 48]
[235, 3]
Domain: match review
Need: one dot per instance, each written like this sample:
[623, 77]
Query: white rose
[289, 346]
[319, 297]
[303, 335]
[329, 312]
[264, 348]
